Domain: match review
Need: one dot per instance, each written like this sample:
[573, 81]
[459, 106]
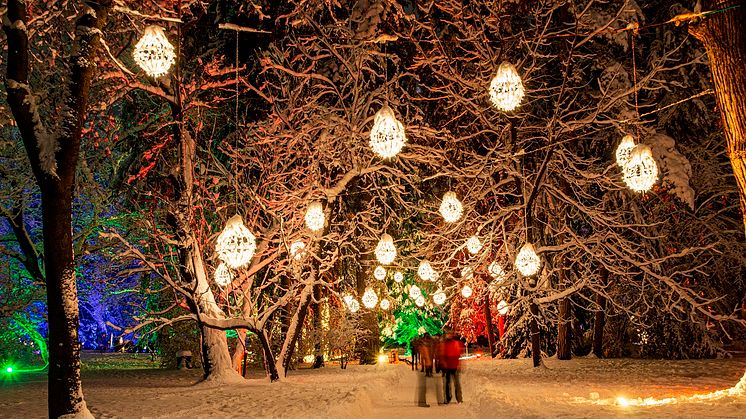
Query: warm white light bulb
[369, 298]
[426, 272]
[624, 149]
[439, 297]
[420, 301]
[385, 250]
[503, 308]
[153, 53]
[379, 273]
[496, 271]
[527, 261]
[387, 137]
[451, 208]
[506, 88]
[315, 219]
[641, 170]
[473, 245]
[415, 292]
[235, 245]
[398, 277]
[223, 275]
[297, 249]
[385, 304]
[466, 291]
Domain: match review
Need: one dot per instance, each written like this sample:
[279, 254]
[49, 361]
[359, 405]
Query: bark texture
[564, 335]
[724, 37]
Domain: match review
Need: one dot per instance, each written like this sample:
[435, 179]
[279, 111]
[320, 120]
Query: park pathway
[398, 401]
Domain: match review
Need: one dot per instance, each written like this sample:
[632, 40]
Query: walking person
[425, 353]
[452, 349]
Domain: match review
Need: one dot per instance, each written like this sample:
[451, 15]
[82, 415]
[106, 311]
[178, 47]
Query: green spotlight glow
[9, 370]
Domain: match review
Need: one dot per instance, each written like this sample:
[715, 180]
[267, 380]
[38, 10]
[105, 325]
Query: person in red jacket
[452, 349]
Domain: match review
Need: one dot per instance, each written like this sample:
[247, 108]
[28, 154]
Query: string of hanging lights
[506, 88]
[451, 208]
[387, 137]
[235, 245]
[385, 250]
[641, 170]
[153, 52]
[527, 261]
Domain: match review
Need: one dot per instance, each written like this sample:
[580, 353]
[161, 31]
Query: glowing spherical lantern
[235, 245]
[496, 271]
[624, 149]
[379, 273]
[641, 170]
[503, 308]
[506, 88]
[466, 291]
[415, 292]
[223, 275]
[387, 137]
[385, 250]
[451, 208]
[420, 301]
[297, 249]
[426, 272]
[370, 299]
[439, 297]
[473, 245]
[354, 306]
[527, 261]
[315, 219]
[467, 273]
[385, 304]
[348, 299]
[153, 53]
[398, 277]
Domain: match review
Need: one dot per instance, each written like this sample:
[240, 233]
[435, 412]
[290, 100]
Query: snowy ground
[492, 388]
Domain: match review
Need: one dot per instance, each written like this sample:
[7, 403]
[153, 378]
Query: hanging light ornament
[506, 88]
[369, 298]
[223, 275]
[348, 299]
[451, 208]
[315, 216]
[379, 273]
[398, 277]
[473, 245]
[426, 272]
[387, 137]
[641, 170]
[420, 301]
[503, 308]
[297, 249]
[439, 297]
[153, 53]
[527, 261]
[467, 273]
[354, 305]
[385, 250]
[624, 149]
[496, 271]
[466, 291]
[385, 304]
[235, 245]
[415, 292]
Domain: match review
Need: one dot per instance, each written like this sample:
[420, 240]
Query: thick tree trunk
[367, 346]
[318, 361]
[564, 337]
[724, 37]
[535, 335]
[296, 325]
[239, 353]
[490, 329]
[599, 322]
[270, 366]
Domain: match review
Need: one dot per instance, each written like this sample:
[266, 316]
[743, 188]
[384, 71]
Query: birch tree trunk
[724, 37]
[54, 159]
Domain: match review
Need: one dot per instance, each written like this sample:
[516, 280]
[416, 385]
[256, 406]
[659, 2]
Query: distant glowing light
[466, 291]
[420, 301]
[473, 245]
[297, 249]
[370, 299]
[398, 277]
[496, 271]
[503, 308]
[451, 208]
[354, 306]
[9, 370]
[415, 292]
[439, 297]
[624, 149]
[387, 137]
[385, 250]
[641, 170]
[223, 275]
[385, 304]
[153, 52]
[314, 217]
[506, 88]
[527, 261]
[426, 272]
[379, 273]
[236, 244]
[383, 359]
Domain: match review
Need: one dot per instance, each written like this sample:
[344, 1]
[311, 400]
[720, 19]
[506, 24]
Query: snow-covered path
[581, 388]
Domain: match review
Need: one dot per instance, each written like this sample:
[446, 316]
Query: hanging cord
[235, 134]
[634, 78]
